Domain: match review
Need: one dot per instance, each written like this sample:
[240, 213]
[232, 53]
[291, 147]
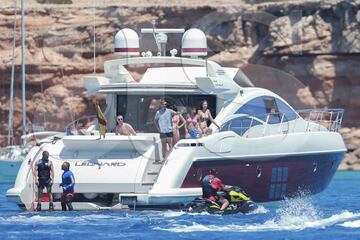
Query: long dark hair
[202, 103]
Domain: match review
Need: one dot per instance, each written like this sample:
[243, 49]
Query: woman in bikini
[205, 116]
[176, 126]
[192, 124]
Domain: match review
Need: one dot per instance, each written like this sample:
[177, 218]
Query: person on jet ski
[210, 186]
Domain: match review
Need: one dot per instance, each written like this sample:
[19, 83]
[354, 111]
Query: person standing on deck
[44, 177]
[205, 116]
[163, 123]
[67, 184]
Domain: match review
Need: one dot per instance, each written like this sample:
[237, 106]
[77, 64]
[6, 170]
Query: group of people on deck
[169, 122]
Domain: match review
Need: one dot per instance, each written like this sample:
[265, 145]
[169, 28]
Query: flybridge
[194, 42]
[185, 73]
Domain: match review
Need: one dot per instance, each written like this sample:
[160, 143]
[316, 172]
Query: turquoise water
[332, 214]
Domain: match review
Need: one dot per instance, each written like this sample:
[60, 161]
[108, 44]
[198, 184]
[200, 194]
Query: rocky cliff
[306, 51]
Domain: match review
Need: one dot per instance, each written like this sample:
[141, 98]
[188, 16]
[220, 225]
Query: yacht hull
[271, 178]
[266, 174]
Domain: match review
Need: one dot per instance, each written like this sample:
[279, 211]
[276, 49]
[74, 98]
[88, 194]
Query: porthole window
[258, 171]
[314, 166]
[199, 175]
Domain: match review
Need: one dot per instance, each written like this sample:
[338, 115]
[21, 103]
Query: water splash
[297, 210]
[173, 213]
[269, 225]
[59, 217]
[260, 210]
[294, 214]
[351, 224]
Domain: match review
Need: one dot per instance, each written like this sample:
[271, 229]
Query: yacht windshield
[268, 109]
[139, 111]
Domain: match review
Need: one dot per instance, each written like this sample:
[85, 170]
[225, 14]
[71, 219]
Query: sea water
[332, 214]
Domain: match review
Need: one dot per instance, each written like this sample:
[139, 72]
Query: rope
[33, 186]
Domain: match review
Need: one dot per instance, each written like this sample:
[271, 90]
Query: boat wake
[259, 210]
[293, 215]
[55, 218]
[353, 224]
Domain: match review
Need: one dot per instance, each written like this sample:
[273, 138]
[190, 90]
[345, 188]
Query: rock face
[306, 51]
[352, 141]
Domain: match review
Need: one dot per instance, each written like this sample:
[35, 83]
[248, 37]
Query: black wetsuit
[44, 176]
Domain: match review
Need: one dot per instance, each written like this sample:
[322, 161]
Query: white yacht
[262, 145]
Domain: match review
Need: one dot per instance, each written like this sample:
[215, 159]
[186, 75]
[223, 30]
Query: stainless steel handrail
[74, 124]
[329, 119]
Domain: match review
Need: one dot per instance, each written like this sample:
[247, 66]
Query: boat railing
[304, 120]
[331, 119]
[80, 125]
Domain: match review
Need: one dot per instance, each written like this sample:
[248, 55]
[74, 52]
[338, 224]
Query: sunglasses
[120, 119]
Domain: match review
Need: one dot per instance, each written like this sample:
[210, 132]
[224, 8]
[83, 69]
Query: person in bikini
[177, 118]
[123, 128]
[192, 124]
[205, 116]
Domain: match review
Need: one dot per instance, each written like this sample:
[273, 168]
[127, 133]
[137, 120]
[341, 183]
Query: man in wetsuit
[210, 185]
[44, 178]
[67, 184]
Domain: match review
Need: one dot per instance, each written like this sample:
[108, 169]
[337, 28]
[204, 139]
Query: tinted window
[264, 108]
[289, 114]
[239, 125]
[254, 107]
[271, 110]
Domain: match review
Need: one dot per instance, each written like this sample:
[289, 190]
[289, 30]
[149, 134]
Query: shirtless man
[124, 128]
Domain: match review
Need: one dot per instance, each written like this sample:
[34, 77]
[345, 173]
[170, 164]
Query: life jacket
[43, 167]
[208, 190]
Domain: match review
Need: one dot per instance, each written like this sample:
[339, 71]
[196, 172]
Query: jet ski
[239, 201]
